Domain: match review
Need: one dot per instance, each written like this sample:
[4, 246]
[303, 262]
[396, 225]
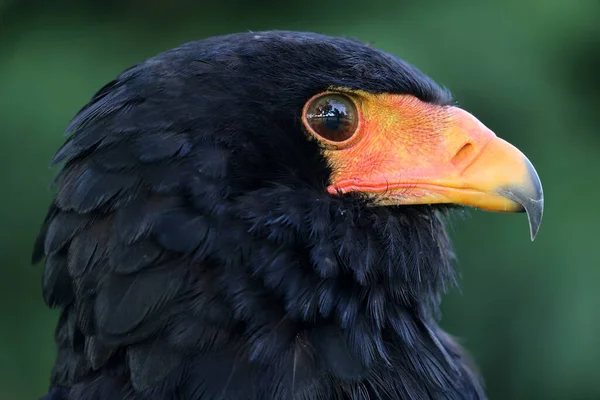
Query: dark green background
[528, 312]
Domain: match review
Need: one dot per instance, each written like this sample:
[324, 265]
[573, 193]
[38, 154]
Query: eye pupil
[333, 117]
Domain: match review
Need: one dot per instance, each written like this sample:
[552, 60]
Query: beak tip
[531, 198]
[535, 210]
[534, 206]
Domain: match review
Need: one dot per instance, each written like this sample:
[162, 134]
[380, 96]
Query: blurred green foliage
[528, 312]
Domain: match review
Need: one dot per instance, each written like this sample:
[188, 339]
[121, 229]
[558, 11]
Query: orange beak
[411, 152]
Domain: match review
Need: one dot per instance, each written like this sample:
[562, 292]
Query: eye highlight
[333, 117]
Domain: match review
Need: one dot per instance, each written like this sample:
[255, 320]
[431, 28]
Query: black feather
[97, 352]
[57, 286]
[126, 303]
[151, 362]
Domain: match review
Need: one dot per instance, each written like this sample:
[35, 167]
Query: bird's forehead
[316, 61]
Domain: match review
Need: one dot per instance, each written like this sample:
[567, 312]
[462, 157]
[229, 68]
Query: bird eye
[333, 117]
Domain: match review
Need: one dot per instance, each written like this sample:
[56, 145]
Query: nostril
[463, 154]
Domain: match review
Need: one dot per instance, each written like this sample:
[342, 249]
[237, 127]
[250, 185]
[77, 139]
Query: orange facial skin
[405, 151]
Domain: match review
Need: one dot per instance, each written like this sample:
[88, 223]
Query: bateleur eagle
[261, 216]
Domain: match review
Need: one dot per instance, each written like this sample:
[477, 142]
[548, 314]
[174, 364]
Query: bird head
[273, 201]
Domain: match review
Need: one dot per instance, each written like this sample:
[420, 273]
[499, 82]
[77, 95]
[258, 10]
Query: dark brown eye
[333, 117]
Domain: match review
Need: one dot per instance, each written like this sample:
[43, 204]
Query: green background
[528, 312]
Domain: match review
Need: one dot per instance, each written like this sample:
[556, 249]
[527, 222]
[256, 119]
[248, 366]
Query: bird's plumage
[194, 252]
